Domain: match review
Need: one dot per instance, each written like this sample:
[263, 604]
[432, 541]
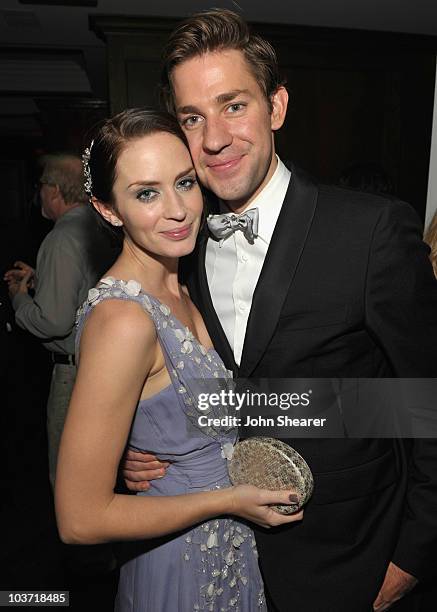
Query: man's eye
[191, 121]
[146, 195]
[234, 108]
[187, 183]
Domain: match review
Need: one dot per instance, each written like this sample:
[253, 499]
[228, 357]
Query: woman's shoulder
[122, 316]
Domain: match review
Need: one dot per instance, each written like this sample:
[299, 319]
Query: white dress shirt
[234, 267]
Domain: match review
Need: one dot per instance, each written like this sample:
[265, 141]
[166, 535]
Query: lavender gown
[213, 566]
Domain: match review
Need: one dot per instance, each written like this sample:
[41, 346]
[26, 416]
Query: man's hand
[138, 468]
[18, 273]
[18, 285]
[397, 583]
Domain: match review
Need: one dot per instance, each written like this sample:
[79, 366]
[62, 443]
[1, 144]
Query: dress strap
[111, 288]
[193, 369]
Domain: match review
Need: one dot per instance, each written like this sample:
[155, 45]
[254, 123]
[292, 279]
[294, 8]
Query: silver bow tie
[223, 226]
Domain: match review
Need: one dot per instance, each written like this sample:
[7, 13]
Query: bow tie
[223, 226]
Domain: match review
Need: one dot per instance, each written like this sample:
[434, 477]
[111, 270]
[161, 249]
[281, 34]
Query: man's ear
[54, 190]
[279, 102]
[106, 212]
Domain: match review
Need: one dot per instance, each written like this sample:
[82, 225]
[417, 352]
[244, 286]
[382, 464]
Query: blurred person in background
[70, 260]
[367, 176]
[431, 239]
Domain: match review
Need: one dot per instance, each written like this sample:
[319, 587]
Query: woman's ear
[106, 212]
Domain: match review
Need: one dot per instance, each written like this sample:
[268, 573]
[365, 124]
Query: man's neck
[67, 208]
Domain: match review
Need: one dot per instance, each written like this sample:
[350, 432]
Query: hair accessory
[88, 184]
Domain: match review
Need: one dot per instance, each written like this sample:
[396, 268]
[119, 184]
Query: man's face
[227, 121]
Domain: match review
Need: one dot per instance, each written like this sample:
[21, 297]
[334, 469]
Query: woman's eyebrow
[151, 182]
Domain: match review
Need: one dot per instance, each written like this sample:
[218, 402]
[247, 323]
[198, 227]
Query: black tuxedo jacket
[346, 290]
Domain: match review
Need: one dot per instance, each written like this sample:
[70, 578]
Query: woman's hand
[253, 504]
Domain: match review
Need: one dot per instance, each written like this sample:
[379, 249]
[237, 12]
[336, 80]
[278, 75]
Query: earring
[117, 223]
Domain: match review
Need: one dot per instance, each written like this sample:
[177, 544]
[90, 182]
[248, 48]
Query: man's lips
[179, 233]
[223, 166]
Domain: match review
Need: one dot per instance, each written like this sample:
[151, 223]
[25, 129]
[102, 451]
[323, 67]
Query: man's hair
[219, 30]
[65, 170]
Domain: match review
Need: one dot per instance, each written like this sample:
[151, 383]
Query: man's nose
[216, 135]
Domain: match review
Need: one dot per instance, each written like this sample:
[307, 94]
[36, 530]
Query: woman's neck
[156, 275]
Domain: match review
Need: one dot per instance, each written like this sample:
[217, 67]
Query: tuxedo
[346, 290]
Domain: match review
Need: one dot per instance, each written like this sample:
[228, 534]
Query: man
[70, 260]
[332, 284]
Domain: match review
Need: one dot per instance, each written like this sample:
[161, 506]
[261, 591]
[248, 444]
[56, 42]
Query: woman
[431, 239]
[144, 353]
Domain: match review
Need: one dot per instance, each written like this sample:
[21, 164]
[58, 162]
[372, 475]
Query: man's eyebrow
[220, 99]
[230, 95]
[188, 110]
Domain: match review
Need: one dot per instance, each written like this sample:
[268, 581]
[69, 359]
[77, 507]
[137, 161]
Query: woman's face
[157, 197]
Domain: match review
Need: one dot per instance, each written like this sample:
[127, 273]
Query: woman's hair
[219, 30]
[431, 239]
[111, 137]
[108, 140]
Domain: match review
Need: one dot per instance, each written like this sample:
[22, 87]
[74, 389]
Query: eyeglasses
[36, 198]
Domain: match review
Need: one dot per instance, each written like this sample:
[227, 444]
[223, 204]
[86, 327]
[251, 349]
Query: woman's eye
[187, 183]
[146, 195]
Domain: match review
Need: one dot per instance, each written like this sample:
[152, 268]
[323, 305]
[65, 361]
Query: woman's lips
[178, 233]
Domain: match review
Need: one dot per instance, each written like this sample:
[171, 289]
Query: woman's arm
[118, 349]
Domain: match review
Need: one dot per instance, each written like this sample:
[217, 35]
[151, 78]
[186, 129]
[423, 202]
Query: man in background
[71, 259]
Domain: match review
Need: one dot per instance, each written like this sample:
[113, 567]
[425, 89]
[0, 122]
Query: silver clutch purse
[271, 464]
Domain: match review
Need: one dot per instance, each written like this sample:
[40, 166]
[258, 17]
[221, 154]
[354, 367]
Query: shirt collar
[269, 201]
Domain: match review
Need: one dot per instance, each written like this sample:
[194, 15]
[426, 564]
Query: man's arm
[51, 312]
[401, 313]
[401, 293]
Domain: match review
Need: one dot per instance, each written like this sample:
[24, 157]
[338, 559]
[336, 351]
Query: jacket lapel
[286, 246]
[199, 292]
